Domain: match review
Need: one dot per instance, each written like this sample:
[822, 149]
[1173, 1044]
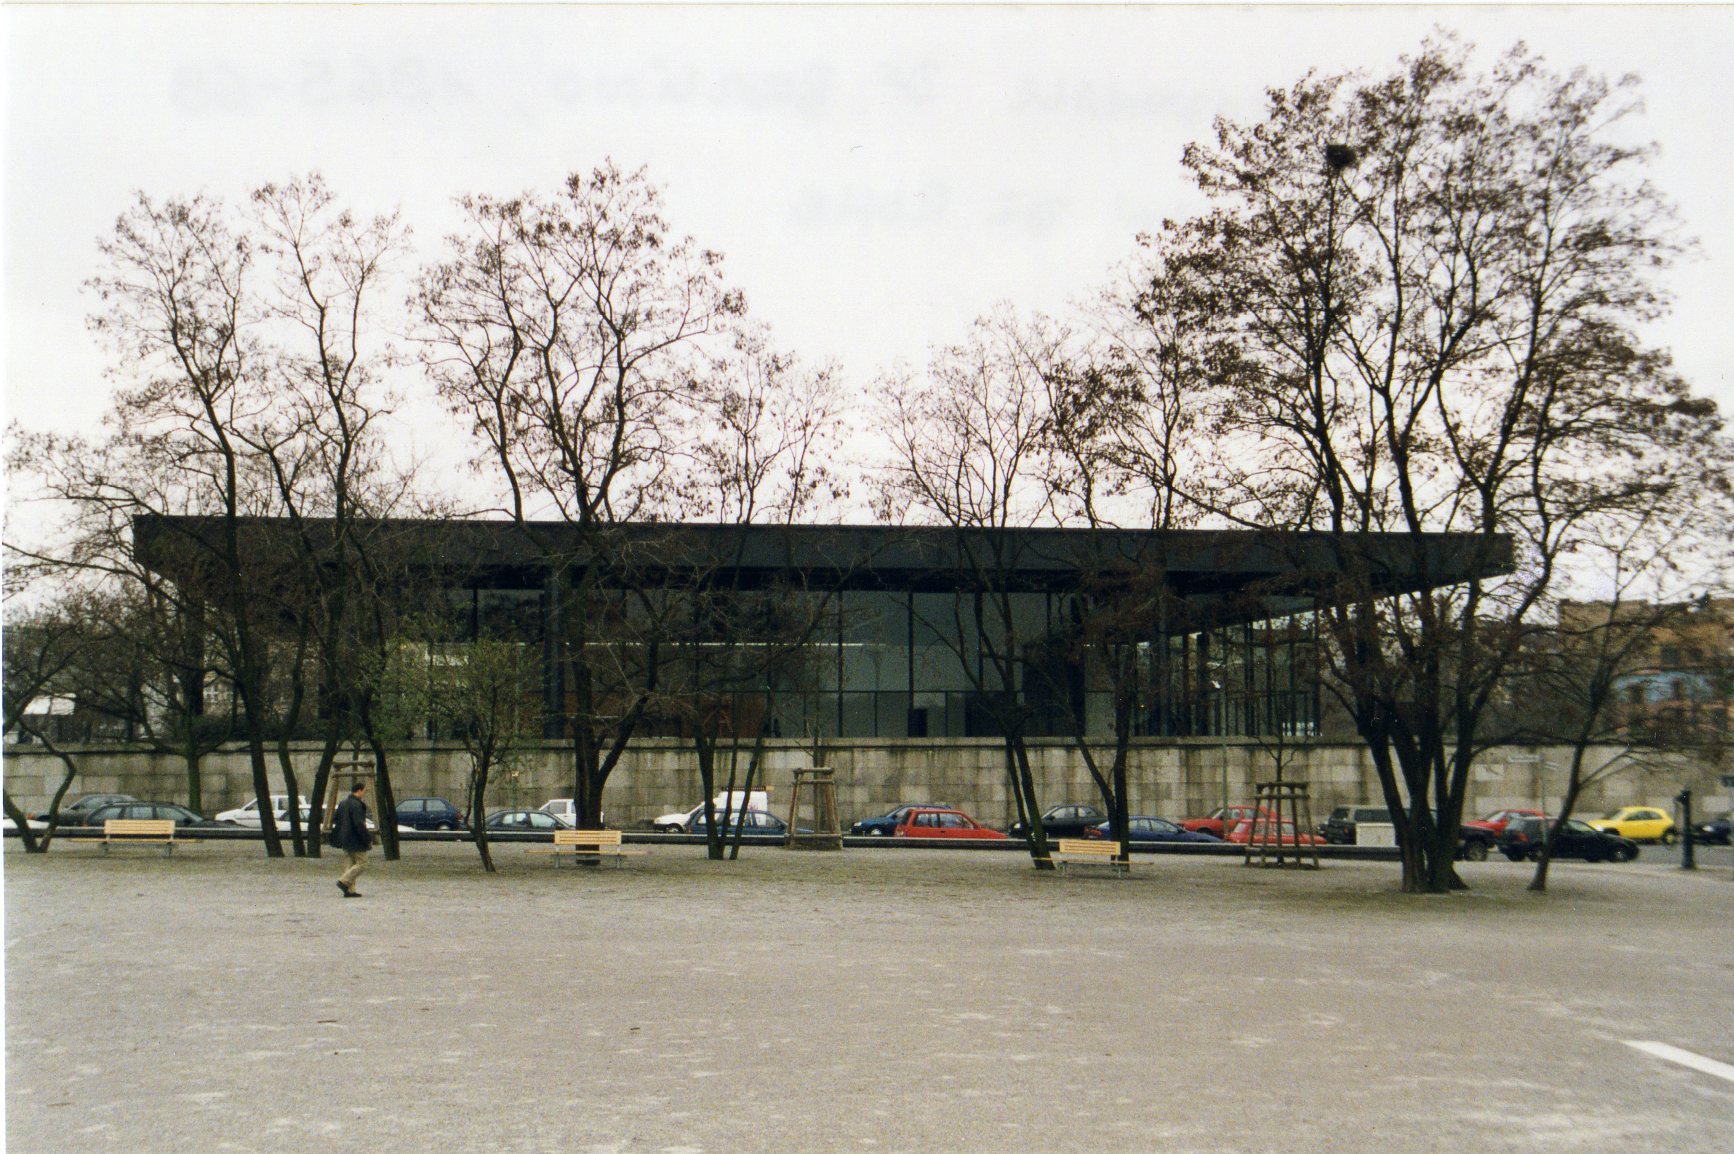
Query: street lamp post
[1216, 688]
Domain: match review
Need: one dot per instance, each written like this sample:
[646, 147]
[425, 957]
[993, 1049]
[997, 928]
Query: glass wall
[886, 663]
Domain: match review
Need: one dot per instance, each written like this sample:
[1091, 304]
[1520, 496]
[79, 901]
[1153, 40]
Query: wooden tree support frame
[1288, 802]
[346, 773]
[819, 788]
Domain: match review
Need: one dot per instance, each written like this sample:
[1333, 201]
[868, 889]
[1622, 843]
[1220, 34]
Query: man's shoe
[350, 894]
[347, 892]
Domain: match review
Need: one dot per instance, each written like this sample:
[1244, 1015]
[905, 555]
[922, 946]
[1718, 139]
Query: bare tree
[327, 463]
[240, 376]
[1432, 286]
[764, 458]
[972, 452]
[1656, 581]
[42, 648]
[1123, 433]
[564, 331]
[484, 692]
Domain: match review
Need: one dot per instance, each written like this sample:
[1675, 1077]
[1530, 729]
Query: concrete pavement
[922, 1000]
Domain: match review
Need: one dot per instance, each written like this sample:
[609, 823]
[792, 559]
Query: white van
[248, 815]
[737, 801]
[564, 809]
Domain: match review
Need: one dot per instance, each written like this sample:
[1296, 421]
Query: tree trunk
[386, 815]
[321, 779]
[262, 786]
[478, 811]
[1024, 783]
[25, 834]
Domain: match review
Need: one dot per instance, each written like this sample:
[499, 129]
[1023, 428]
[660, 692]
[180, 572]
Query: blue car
[429, 813]
[882, 825]
[1150, 829]
[754, 823]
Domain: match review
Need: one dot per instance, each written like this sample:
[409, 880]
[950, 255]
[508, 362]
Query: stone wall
[1169, 778]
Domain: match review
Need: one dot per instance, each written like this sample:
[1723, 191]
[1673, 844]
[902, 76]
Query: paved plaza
[878, 1000]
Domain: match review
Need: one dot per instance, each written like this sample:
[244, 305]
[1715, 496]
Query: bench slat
[1084, 851]
[140, 831]
[586, 843]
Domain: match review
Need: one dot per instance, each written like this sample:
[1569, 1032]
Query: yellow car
[1640, 823]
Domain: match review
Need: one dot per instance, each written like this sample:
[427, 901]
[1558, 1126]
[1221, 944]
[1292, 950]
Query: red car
[1213, 824]
[946, 823]
[1495, 822]
[1264, 831]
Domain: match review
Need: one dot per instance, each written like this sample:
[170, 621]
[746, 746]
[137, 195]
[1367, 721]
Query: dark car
[524, 821]
[78, 812]
[1713, 832]
[1063, 821]
[1151, 829]
[1340, 827]
[151, 811]
[882, 825]
[1474, 843]
[1525, 837]
[428, 813]
[752, 823]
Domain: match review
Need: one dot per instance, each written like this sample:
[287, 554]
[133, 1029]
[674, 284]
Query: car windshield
[1613, 814]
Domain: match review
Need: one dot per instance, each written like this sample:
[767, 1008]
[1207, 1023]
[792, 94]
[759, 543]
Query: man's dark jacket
[349, 827]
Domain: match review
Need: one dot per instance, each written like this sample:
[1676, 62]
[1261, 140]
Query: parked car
[1639, 823]
[1269, 831]
[248, 815]
[564, 809]
[1063, 821]
[428, 813]
[944, 823]
[1474, 843]
[525, 821]
[882, 825]
[307, 820]
[751, 823]
[1525, 837]
[1158, 829]
[1340, 827]
[150, 811]
[1495, 822]
[1713, 832]
[78, 812]
[737, 802]
[1213, 824]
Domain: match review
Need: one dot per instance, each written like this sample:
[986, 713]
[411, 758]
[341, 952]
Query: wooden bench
[140, 831]
[585, 845]
[1088, 851]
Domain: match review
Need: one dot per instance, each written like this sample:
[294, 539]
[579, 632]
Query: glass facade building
[873, 632]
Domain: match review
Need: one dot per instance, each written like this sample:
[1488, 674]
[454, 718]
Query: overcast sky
[876, 176]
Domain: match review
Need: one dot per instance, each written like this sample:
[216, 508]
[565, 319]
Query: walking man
[349, 834]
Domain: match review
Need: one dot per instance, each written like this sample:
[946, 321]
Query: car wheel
[1534, 853]
[1622, 853]
[1475, 851]
[1671, 837]
[879, 831]
[445, 827]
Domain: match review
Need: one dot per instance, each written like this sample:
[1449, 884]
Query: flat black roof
[1283, 571]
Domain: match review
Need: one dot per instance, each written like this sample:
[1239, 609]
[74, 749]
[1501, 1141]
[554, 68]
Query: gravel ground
[867, 1000]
